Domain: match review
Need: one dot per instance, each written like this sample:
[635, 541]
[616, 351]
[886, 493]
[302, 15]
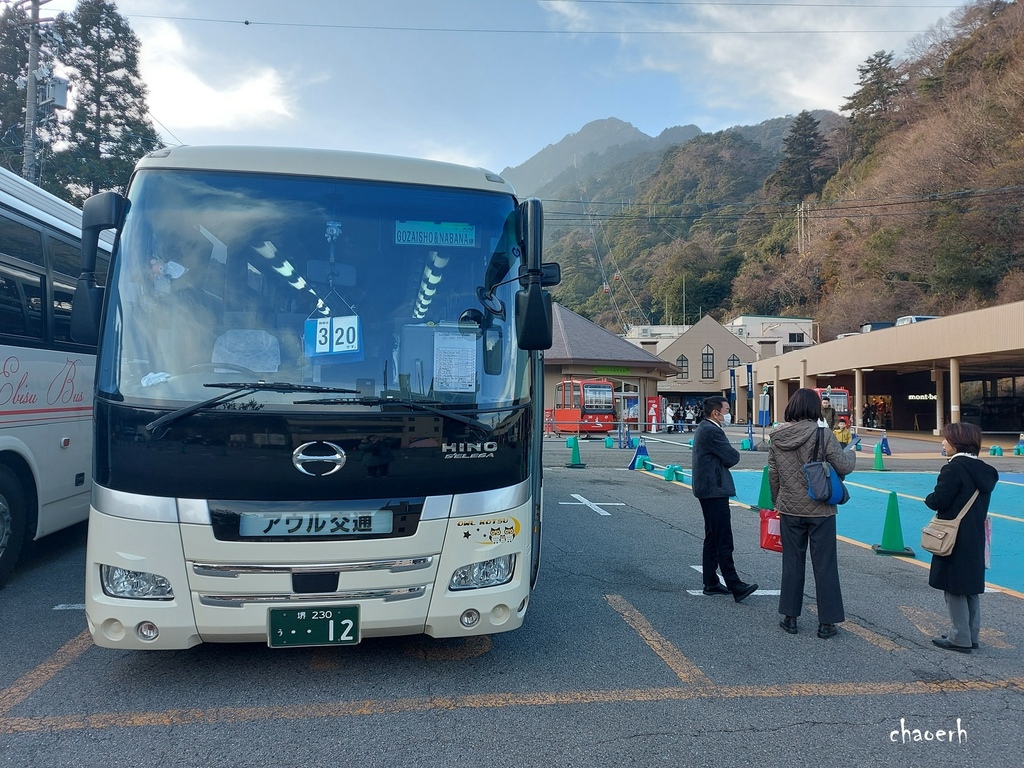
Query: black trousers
[820, 532]
[718, 543]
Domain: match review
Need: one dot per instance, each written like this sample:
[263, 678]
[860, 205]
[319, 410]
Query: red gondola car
[584, 406]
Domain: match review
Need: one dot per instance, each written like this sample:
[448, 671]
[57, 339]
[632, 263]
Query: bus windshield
[374, 288]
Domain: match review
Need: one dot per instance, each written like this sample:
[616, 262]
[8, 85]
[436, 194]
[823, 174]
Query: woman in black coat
[961, 573]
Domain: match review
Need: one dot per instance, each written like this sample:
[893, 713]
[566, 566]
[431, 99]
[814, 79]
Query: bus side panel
[46, 419]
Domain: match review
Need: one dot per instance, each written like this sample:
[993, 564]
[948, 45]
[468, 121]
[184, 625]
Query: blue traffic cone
[639, 456]
[885, 446]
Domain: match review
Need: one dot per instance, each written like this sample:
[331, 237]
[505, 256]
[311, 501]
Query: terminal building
[915, 376]
[919, 376]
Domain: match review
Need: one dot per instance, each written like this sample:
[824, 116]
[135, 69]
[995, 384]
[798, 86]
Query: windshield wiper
[417, 405]
[237, 390]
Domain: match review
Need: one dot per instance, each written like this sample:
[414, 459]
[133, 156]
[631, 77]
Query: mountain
[919, 213]
[771, 133]
[595, 147]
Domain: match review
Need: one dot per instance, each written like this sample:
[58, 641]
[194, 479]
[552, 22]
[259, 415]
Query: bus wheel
[12, 522]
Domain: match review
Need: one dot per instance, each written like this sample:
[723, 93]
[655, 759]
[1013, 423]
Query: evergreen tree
[874, 103]
[13, 62]
[109, 129]
[14, 39]
[804, 167]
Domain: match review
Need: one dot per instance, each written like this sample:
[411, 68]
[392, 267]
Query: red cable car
[839, 398]
[584, 406]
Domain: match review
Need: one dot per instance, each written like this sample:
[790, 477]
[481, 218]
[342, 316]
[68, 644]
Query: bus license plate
[312, 625]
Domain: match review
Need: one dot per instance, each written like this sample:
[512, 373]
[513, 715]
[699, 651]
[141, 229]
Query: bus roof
[36, 203]
[24, 196]
[326, 163]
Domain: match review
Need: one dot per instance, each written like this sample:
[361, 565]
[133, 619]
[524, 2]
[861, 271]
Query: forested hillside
[910, 204]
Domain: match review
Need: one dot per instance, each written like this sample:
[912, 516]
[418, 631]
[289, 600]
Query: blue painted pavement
[863, 517]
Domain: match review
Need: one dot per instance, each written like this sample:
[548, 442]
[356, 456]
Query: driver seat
[257, 350]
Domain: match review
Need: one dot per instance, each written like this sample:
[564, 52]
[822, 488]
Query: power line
[853, 208]
[715, 4]
[548, 32]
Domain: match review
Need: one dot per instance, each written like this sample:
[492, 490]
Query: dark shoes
[717, 589]
[742, 591]
[973, 645]
[826, 631]
[942, 642]
[789, 624]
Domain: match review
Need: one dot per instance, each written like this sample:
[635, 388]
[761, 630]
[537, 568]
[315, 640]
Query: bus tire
[12, 522]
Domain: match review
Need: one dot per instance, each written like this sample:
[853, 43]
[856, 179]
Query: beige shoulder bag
[939, 536]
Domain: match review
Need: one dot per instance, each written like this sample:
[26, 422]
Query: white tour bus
[46, 379]
[318, 400]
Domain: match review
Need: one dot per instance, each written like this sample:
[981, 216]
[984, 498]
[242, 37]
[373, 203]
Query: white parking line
[69, 607]
[596, 506]
[700, 569]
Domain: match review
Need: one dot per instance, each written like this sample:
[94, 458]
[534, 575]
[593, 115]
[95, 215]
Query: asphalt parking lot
[622, 661]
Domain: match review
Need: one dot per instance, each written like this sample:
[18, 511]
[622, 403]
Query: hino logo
[318, 459]
[469, 450]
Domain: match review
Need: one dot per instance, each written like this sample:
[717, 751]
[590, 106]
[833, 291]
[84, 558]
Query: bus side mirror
[530, 230]
[86, 309]
[550, 274]
[103, 211]
[533, 303]
[533, 318]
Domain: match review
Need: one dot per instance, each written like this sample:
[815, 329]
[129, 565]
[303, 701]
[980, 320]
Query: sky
[492, 82]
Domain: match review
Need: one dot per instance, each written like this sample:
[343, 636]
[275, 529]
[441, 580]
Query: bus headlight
[489, 573]
[134, 585]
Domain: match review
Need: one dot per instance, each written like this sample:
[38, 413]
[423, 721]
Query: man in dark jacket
[713, 454]
[828, 413]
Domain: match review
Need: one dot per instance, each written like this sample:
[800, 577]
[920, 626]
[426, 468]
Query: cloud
[749, 60]
[240, 97]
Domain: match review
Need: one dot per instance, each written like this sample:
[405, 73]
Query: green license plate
[313, 625]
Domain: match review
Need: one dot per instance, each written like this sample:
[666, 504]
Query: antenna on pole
[28, 162]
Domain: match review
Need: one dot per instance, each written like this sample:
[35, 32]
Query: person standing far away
[961, 574]
[842, 432]
[802, 520]
[713, 454]
[828, 413]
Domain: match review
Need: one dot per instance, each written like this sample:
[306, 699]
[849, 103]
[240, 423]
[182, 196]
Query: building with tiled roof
[583, 350]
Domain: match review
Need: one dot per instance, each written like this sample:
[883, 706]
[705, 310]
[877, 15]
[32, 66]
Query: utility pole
[28, 162]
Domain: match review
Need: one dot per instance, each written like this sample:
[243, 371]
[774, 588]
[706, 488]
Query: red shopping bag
[771, 536]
